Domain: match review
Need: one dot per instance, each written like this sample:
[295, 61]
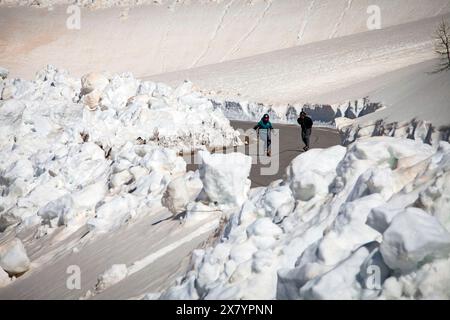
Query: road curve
[288, 139]
[290, 146]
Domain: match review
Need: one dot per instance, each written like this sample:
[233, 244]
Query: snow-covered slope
[364, 222]
[315, 73]
[416, 105]
[175, 35]
[91, 162]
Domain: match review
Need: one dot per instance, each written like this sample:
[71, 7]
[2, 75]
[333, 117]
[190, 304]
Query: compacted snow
[364, 222]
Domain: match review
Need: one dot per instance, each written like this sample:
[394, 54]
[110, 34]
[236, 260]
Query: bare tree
[442, 45]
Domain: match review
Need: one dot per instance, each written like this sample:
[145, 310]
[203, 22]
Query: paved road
[290, 146]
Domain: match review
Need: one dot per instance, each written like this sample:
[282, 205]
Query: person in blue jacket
[264, 129]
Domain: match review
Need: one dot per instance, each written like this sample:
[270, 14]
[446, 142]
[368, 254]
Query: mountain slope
[311, 73]
[184, 34]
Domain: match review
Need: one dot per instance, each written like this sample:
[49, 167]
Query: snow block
[338, 283]
[412, 238]
[13, 257]
[311, 173]
[180, 192]
[225, 177]
[380, 218]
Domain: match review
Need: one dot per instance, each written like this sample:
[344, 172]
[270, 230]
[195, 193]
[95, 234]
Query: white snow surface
[415, 105]
[13, 258]
[317, 234]
[169, 35]
[225, 177]
[68, 162]
[366, 221]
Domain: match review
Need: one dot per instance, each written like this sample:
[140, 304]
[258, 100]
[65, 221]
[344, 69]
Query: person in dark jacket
[265, 127]
[306, 123]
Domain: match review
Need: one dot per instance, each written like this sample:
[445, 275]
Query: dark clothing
[306, 135]
[306, 123]
[269, 142]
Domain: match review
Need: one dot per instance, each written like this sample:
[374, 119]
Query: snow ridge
[341, 19]
[236, 48]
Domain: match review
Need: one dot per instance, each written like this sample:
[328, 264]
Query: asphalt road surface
[288, 139]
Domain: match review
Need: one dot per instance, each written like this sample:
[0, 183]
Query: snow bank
[320, 113]
[416, 106]
[362, 222]
[421, 130]
[100, 150]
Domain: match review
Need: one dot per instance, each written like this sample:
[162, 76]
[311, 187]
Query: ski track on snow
[215, 33]
[301, 33]
[341, 19]
[441, 10]
[236, 48]
[166, 36]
